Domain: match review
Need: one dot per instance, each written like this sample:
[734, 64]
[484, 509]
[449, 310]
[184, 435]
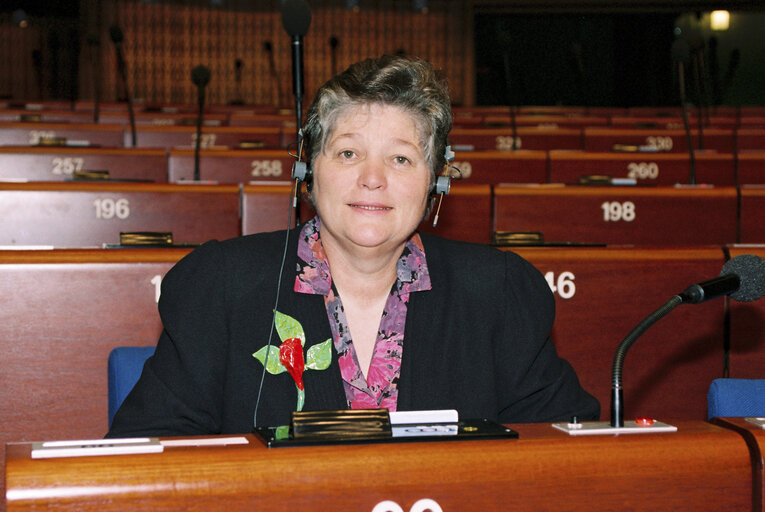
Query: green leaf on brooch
[275, 366]
[288, 327]
[282, 432]
[319, 356]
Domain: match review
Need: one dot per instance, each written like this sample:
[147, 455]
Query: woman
[369, 312]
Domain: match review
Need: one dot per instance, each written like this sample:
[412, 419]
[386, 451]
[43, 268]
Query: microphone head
[116, 35]
[296, 17]
[200, 75]
[750, 270]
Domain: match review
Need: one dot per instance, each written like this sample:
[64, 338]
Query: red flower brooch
[289, 356]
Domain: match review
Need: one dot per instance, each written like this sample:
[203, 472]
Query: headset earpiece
[301, 172]
[442, 185]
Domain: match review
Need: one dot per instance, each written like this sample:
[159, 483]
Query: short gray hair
[406, 82]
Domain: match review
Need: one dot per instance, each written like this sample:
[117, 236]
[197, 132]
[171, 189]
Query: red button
[644, 422]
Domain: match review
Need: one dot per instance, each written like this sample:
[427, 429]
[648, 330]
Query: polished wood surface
[646, 168]
[465, 214]
[673, 122]
[601, 294]
[751, 166]
[493, 167]
[529, 137]
[60, 163]
[231, 166]
[604, 139]
[20, 134]
[753, 213]
[619, 215]
[755, 440]
[62, 312]
[700, 467]
[212, 136]
[266, 207]
[747, 329]
[750, 139]
[92, 214]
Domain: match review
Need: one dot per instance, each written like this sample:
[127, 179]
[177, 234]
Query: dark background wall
[539, 53]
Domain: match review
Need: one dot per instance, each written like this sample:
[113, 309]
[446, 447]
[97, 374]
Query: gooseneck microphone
[200, 76]
[116, 35]
[742, 278]
[269, 49]
[681, 55]
[296, 18]
[94, 44]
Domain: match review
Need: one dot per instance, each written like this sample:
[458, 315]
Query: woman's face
[371, 180]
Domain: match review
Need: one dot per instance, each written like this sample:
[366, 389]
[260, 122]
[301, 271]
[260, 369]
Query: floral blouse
[380, 388]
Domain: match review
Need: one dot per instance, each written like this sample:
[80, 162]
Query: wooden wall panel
[165, 40]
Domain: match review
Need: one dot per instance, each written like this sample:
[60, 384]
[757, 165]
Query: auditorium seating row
[87, 214]
[632, 140]
[474, 117]
[23, 163]
[251, 109]
[64, 310]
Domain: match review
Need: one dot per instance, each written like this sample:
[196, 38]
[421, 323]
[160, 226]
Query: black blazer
[477, 342]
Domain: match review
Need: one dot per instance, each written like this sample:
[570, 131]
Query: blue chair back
[736, 398]
[125, 367]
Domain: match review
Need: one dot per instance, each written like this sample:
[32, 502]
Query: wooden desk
[45, 116]
[548, 120]
[673, 122]
[58, 163]
[756, 122]
[29, 134]
[231, 166]
[752, 214]
[91, 214]
[747, 329]
[604, 139]
[619, 215]
[700, 467]
[465, 214]
[273, 119]
[162, 119]
[212, 136]
[266, 207]
[601, 294]
[62, 312]
[750, 139]
[647, 168]
[488, 139]
[493, 167]
[751, 166]
[755, 439]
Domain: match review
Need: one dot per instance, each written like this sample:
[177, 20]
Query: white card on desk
[93, 447]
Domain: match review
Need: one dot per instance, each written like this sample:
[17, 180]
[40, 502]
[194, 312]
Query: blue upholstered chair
[125, 367]
[736, 398]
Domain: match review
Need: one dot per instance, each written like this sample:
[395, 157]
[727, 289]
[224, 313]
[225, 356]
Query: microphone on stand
[742, 278]
[296, 18]
[116, 35]
[333, 42]
[94, 43]
[681, 54]
[200, 75]
[238, 97]
[268, 47]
